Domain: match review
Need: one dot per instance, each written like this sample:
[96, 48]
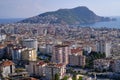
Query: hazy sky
[28, 8]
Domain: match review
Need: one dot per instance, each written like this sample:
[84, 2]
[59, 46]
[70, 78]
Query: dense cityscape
[59, 40]
[58, 52]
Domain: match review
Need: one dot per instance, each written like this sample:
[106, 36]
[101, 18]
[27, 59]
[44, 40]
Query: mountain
[78, 15]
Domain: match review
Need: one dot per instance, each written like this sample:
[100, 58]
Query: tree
[65, 78]
[57, 77]
[93, 56]
[74, 77]
[80, 78]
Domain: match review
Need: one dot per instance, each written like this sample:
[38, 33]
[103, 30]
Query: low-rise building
[102, 64]
[116, 65]
[7, 67]
[81, 77]
[24, 78]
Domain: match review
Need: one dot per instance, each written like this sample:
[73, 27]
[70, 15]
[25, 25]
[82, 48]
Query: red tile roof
[59, 65]
[6, 63]
[76, 50]
[40, 63]
[55, 65]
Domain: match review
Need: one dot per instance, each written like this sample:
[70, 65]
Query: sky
[29, 8]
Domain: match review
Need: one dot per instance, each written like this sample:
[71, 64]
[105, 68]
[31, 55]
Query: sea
[109, 24]
[10, 20]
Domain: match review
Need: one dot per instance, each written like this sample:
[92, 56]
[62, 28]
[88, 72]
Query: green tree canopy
[80, 78]
[57, 77]
[65, 78]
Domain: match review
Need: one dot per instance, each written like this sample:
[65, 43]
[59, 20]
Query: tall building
[60, 54]
[9, 51]
[2, 50]
[100, 46]
[53, 68]
[76, 57]
[17, 54]
[36, 68]
[104, 47]
[108, 49]
[77, 60]
[49, 48]
[30, 43]
[29, 54]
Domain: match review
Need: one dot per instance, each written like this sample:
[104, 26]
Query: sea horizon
[10, 20]
[105, 24]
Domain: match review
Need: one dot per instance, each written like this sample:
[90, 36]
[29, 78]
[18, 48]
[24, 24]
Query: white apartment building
[54, 68]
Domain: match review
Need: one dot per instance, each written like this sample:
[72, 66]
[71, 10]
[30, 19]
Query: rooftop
[76, 50]
[55, 65]
[40, 63]
[6, 63]
[61, 45]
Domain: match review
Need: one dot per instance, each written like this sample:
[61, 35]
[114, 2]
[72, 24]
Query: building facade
[17, 53]
[30, 43]
[104, 47]
[29, 54]
[7, 67]
[76, 57]
[116, 66]
[60, 54]
[101, 64]
[52, 69]
[36, 68]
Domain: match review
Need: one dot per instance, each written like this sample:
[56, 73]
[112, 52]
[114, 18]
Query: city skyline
[29, 8]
